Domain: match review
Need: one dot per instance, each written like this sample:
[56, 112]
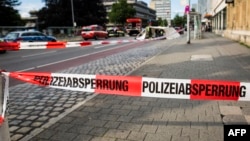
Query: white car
[26, 36]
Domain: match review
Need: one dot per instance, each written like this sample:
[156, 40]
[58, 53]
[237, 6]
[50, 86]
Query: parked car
[93, 32]
[28, 36]
[115, 32]
[1, 49]
[179, 30]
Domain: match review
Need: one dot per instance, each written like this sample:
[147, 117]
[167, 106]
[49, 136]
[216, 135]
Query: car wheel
[95, 37]
[3, 51]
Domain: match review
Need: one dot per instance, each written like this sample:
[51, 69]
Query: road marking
[38, 54]
[40, 66]
[101, 46]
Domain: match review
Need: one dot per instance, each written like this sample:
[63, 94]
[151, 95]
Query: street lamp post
[188, 24]
[73, 17]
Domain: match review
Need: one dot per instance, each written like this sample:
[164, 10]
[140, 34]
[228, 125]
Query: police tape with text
[141, 86]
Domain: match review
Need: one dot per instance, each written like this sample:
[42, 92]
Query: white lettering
[236, 132]
[231, 132]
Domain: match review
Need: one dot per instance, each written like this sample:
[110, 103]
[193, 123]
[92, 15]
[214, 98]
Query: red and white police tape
[193, 89]
[56, 45]
[5, 97]
[171, 34]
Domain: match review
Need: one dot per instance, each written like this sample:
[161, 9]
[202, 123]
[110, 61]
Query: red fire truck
[133, 26]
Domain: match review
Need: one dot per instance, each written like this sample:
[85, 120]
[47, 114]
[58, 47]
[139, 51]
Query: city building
[229, 18]
[238, 20]
[162, 8]
[213, 15]
[204, 8]
[194, 6]
[142, 10]
[218, 12]
[30, 23]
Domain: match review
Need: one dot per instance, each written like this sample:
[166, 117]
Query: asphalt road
[52, 60]
[25, 60]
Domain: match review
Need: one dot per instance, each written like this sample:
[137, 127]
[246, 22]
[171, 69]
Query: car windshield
[87, 29]
[12, 35]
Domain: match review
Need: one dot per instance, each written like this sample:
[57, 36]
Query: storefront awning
[205, 20]
[208, 16]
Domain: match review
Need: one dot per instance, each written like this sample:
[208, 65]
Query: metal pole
[195, 26]
[199, 26]
[73, 17]
[72, 10]
[4, 128]
[188, 24]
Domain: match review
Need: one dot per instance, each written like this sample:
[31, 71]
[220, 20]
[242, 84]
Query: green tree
[178, 21]
[9, 3]
[59, 13]
[162, 22]
[10, 16]
[120, 12]
[165, 22]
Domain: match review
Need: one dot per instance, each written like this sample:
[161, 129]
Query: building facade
[142, 9]
[162, 8]
[230, 20]
[219, 20]
[238, 21]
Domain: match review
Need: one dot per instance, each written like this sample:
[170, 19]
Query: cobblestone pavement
[120, 118]
[33, 108]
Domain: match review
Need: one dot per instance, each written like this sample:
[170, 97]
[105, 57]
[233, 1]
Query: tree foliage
[120, 12]
[9, 3]
[59, 13]
[10, 16]
[179, 21]
[162, 22]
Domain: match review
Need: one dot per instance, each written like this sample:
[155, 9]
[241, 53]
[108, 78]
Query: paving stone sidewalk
[33, 108]
[122, 118]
